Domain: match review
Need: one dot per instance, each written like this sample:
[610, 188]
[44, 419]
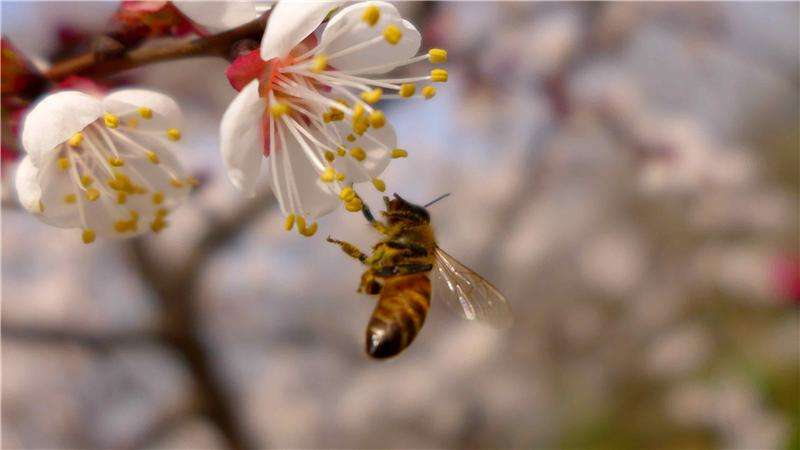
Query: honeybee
[398, 271]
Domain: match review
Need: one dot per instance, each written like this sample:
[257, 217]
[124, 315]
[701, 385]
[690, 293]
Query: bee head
[399, 210]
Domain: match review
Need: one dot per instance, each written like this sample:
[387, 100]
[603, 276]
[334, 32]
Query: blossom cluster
[308, 108]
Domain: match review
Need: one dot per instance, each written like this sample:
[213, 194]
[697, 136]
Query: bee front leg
[350, 249]
[377, 224]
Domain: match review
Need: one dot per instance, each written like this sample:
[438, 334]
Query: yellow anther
[176, 183]
[360, 126]
[41, 207]
[372, 96]
[328, 175]
[329, 156]
[63, 163]
[327, 116]
[336, 114]
[86, 181]
[289, 222]
[358, 112]
[358, 153]
[399, 153]
[371, 15]
[122, 198]
[192, 181]
[92, 194]
[301, 222]
[158, 198]
[392, 34]
[350, 138]
[340, 176]
[110, 120]
[341, 151]
[116, 161]
[145, 112]
[354, 205]
[407, 89]
[75, 140]
[438, 75]
[88, 236]
[342, 101]
[377, 119]
[437, 55]
[121, 226]
[158, 224]
[139, 189]
[308, 231]
[319, 64]
[134, 215]
[162, 212]
[347, 194]
[152, 157]
[173, 134]
[428, 92]
[278, 109]
[379, 184]
[133, 122]
[70, 198]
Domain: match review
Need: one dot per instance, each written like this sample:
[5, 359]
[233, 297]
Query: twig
[95, 64]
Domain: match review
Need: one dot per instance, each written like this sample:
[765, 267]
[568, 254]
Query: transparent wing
[469, 294]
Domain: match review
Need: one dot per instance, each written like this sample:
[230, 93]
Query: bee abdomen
[399, 314]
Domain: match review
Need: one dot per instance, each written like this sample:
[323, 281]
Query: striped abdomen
[399, 315]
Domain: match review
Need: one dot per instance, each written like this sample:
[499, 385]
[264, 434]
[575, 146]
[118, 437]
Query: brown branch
[94, 340]
[176, 293]
[96, 64]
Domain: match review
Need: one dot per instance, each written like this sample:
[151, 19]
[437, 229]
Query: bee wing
[469, 294]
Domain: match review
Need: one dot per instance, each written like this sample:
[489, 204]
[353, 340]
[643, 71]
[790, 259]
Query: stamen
[379, 184]
[407, 89]
[308, 231]
[145, 112]
[116, 161]
[92, 194]
[341, 151]
[158, 224]
[121, 198]
[63, 164]
[158, 198]
[320, 63]
[175, 182]
[438, 75]
[399, 153]
[329, 156]
[328, 175]
[278, 109]
[86, 181]
[152, 156]
[88, 236]
[392, 34]
[70, 198]
[377, 119]
[437, 55]
[173, 134]
[428, 92]
[358, 153]
[289, 222]
[347, 194]
[372, 96]
[75, 140]
[371, 15]
[354, 205]
[110, 120]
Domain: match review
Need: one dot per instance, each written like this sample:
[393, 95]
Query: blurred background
[626, 173]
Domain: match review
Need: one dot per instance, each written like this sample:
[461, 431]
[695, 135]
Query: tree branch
[90, 339]
[96, 64]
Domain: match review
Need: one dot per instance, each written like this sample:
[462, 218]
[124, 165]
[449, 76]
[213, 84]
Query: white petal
[378, 153]
[316, 197]
[359, 31]
[218, 15]
[166, 113]
[47, 185]
[26, 182]
[241, 138]
[55, 119]
[290, 22]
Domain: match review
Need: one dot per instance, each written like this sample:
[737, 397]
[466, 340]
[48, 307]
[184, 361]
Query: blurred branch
[100, 64]
[96, 340]
[175, 290]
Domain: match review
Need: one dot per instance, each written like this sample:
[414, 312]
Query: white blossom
[105, 166]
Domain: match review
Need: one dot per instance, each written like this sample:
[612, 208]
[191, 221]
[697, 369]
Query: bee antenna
[443, 196]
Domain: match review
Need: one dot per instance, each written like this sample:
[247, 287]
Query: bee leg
[370, 284]
[350, 249]
[378, 225]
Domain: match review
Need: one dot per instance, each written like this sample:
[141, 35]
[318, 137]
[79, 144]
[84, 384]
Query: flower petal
[220, 15]
[316, 197]
[241, 138]
[358, 31]
[55, 119]
[42, 191]
[377, 144]
[26, 182]
[165, 112]
[290, 22]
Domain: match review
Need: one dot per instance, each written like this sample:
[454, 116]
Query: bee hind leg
[350, 249]
[370, 284]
